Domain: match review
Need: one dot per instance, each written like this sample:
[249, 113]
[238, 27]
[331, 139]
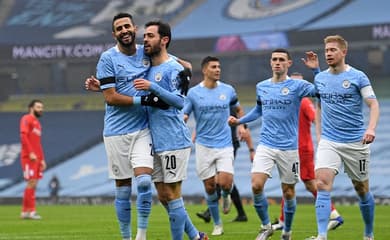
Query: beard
[126, 44]
[153, 51]
[37, 114]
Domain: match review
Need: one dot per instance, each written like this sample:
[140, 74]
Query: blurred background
[49, 47]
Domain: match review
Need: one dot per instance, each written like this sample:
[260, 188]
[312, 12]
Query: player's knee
[144, 182]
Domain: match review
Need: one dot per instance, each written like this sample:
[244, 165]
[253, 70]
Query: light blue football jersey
[169, 132]
[123, 70]
[211, 109]
[280, 104]
[342, 104]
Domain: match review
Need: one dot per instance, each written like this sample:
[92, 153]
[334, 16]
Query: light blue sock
[177, 218]
[144, 199]
[367, 208]
[323, 209]
[212, 203]
[289, 212]
[261, 205]
[189, 227]
[123, 209]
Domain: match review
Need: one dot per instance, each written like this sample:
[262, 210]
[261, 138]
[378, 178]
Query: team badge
[346, 84]
[158, 77]
[145, 62]
[115, 170]
[222, 97]
[285, 91]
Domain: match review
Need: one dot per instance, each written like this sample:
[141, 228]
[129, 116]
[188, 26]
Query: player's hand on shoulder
[185, 79]
[92, 84]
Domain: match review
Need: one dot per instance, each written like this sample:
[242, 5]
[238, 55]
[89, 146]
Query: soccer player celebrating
[32, 156]
[170, 135]
[278, 101]
[344, 138]
[306, 153]
[210, 101]
[126, 135]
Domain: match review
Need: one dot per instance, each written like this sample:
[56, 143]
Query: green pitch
[99, 223]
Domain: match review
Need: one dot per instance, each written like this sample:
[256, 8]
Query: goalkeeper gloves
[185, 78]
[154, 101]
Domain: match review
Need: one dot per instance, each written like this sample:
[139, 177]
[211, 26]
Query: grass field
[99, 223]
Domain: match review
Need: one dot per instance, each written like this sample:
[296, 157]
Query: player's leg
[356, 164]
[207, 170]
[31, 173]
[224, 163]
[261, 171]
[288, 167]
[123, 206]
[118, 149]
[174, 172]
[327, 165]
[142, 162]
[237, 202]
[213, 205]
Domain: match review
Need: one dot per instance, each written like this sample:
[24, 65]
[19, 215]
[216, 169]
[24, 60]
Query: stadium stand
[375, 12]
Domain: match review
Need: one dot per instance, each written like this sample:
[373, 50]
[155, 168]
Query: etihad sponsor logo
[335, 97]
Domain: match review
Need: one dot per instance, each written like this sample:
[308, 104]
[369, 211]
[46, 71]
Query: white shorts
[210, 161]
[287, 163]
[129, 151]
[354, 156]
[171, 166]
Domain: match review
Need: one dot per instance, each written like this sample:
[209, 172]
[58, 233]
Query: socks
[289, 212]
[367, 208]
[235, 195]
[189, 228]
[123, 210]
[144, 200]
[322, 205]
[261, 206]
[177, 218]
[212, 203]
[28, 204]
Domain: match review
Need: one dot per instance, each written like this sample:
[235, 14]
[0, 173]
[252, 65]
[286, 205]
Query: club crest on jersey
[346, 84]
[146, 62]
[222, 97]
[285, 91]
[158, 77]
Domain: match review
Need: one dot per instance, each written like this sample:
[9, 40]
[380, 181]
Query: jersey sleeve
[105, 72]
[308, 109]
[25, 128]
[188, 105]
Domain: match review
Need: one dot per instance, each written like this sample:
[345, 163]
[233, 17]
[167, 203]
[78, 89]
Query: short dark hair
[33, 102]
[283, 50]
[208, 59]
[164, 30]
[121, 15]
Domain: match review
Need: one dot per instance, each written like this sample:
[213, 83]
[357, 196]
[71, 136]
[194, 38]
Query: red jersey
[306, 117]
[30, 137]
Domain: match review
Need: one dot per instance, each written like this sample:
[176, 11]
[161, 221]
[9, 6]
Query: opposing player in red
[32, 157]
[306, 155]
